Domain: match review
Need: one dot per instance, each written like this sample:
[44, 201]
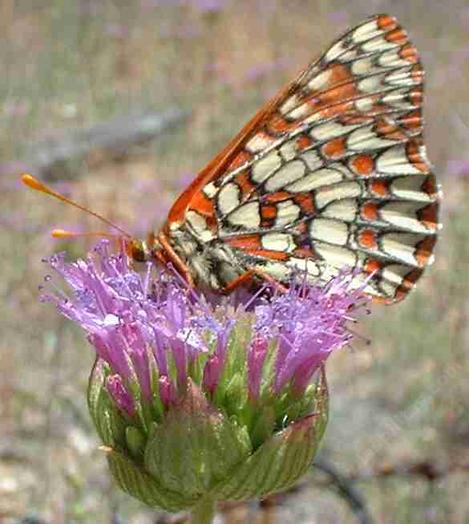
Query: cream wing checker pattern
[335, 174]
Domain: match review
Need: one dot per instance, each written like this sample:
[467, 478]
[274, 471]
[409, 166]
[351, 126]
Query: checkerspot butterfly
[331, 173]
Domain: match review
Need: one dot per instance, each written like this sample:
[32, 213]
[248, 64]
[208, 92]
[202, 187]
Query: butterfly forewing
[330, 174]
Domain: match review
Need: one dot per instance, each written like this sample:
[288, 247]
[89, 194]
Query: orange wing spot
[245, 242]
[337, 94]
[335, 148]
[413, 154]
[267, 253]
[412, 120]
[240, 159]
[372, 265]
[380, 187]
[202, 204]
[397, 36]
[409, 53]
[429, 186]
[273, 198]
[356, 118]
[424, 250]
[339, 73]
[362, 164]
[367, 239]
[305, 201]
[324, 111]
[334, 110]
[417, 73]
[379, 108]
[407, 284]
[369, 211]
[385, 300]
[303, 142]
[244, 183]
[416, 96]
[268, 212]
[278, 125]
[385, 129]
[429, 216]
[304, 252]
[386, 22]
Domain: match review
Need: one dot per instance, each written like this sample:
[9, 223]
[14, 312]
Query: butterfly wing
[331, 173]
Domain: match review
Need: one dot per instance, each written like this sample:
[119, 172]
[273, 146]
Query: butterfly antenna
[64, 233]
[33, 183]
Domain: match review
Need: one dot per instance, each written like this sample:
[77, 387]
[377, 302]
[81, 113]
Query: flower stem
[203, 512]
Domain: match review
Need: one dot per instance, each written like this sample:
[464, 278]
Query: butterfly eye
[137, 250]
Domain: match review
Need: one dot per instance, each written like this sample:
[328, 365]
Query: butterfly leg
[249, 276]
[175, 259]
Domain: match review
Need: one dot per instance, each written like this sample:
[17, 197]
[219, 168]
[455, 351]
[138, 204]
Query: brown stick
[60, 157]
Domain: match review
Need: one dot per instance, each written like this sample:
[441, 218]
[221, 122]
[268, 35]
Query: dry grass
[64, 64]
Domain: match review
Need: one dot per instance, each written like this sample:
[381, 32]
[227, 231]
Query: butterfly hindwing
[332, 173]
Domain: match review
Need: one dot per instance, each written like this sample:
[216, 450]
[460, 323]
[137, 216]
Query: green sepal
[321, 403]
[133, 479]
[275, 466]
[135, 441]
[235, 395]
[281, 460]
[262, 426]
[196, 447]
[108, 420]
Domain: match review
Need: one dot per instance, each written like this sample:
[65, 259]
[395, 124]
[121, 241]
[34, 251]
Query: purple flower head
[209, 6]
[155, 335]
[309, 322]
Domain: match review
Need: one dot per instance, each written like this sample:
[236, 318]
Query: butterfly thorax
[208, 265]
[211, 265]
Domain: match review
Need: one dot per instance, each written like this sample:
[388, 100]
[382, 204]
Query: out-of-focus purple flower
[202, 5]
[151, 4]
[258, 71]
[16, 108]
[118, 31]
[266, 7]
[10, 170]
[209, 6]
[457, 167]
[339, 17]
[185, 179]
[186, 31]
[17, 222]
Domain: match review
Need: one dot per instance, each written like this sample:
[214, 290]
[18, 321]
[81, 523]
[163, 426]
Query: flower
[198, 401]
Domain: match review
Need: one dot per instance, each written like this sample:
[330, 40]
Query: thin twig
[346, 490]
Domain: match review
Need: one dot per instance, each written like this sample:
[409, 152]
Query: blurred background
[119, 103]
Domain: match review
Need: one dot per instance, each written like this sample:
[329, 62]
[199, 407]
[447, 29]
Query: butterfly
[329, 174]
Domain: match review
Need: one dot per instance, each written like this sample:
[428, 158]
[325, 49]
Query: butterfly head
[142, 250]
[137, 249]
